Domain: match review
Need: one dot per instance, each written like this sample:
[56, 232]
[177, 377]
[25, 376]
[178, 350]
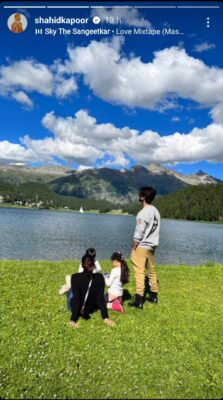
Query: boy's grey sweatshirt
[147, 227]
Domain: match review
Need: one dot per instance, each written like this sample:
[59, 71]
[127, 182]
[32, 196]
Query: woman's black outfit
[95, 301]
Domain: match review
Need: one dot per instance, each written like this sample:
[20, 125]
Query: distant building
[18, 202]
[1, 199]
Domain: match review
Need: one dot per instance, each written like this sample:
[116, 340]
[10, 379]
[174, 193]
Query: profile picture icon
[17, 23]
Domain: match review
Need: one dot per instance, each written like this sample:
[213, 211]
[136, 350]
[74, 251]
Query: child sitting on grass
[119, 276]
[66, 288]
[91, 252]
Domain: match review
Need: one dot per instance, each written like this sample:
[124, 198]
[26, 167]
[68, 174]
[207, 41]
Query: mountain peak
[156, 169]
[137, 167]
[201, 173]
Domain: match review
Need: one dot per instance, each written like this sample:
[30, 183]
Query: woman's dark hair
[87, 263]
[91, 252]
[125, 272]
[148, 193]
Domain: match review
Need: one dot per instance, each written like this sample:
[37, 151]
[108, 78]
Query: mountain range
[117, 186]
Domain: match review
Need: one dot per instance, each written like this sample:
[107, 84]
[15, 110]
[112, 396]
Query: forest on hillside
[202, 202]
[192, 203]
[40, 195]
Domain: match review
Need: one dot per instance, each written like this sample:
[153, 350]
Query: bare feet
[63, 290]
[109, 322]
[73, 324]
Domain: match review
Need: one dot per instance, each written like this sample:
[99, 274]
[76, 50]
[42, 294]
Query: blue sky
[104, 101]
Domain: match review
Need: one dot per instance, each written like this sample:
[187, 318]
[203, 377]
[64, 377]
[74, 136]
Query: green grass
[10, 205]
[173, 350]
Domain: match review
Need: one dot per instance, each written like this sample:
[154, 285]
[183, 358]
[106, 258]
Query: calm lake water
[52, 235]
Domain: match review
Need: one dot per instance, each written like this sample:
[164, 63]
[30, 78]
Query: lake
[54, 235]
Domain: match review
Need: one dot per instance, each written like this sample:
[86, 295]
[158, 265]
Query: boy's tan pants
[143, 261]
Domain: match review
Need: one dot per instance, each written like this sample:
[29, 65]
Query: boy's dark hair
[87, 263]
[148, 193]
[125, 272]
[91, 252]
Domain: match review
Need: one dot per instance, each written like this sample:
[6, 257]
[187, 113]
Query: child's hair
[125, 272]
[91, 252]
[87, 263]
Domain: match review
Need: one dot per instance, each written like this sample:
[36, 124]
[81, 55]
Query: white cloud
[175, 119]
[205, 46]
[217, 113]
[82, 129]
[199, 144]
[75, 139]
[156, 84]
[22, 98]
[128, 16]
[83, 168]
[82, 140]
[11, 152]
[65, 87]
[30, 76]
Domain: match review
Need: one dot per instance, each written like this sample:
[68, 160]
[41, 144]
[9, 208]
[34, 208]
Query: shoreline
[112, 212]
[17, 206]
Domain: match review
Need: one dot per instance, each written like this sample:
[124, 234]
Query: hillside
[200, 177]
[17, 174]
[119, 187]
[113, 185]
[40, 195]
[201, 203]
[107, 189]
[193, 203]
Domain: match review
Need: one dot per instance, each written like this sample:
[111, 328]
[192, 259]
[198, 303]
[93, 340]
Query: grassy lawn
[173, 350]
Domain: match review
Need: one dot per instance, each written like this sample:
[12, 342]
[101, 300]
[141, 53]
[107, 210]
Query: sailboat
[81, 210]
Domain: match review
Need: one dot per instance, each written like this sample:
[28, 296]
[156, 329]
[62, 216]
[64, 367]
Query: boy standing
[146, 239]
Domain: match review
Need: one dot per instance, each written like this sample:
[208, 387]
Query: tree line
[38, 194]
[191, 203]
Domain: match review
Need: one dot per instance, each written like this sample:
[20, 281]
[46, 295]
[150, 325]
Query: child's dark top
[95, 301]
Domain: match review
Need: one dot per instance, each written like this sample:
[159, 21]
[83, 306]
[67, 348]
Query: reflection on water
[52, 235]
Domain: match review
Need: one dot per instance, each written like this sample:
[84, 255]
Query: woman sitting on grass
[119, 276]
[88, 290]
[66, 289]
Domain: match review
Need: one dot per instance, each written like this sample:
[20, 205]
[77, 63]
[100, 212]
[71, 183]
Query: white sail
[81, 210]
